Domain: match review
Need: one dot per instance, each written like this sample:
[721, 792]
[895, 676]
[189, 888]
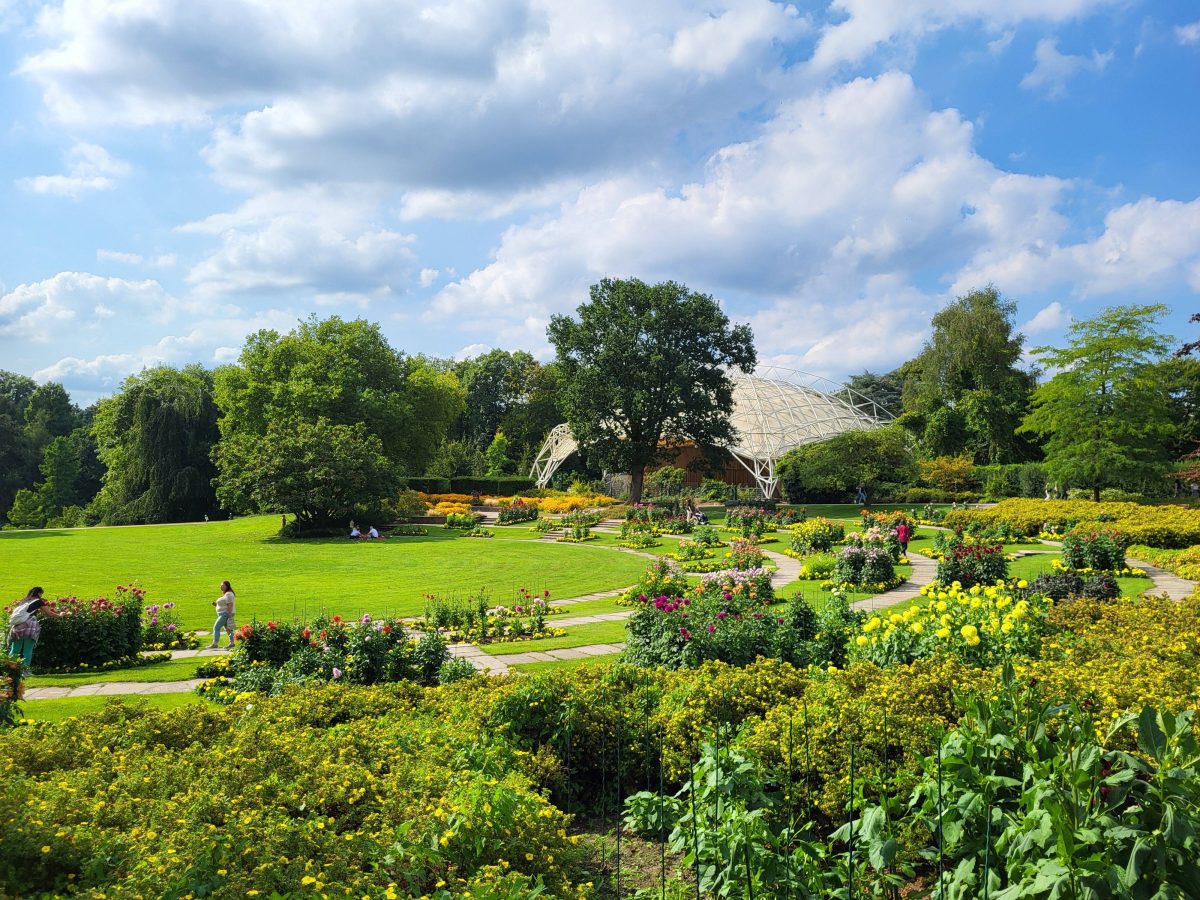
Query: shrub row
[497, 487]
[1156, 526]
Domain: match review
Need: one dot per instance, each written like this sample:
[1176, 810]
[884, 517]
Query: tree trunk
[636, 477]
[1096, 493]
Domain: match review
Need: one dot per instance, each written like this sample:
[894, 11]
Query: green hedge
[428, 485]
[499, 487]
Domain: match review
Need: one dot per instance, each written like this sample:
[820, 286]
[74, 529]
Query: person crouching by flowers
[24, 627]
[224, 607]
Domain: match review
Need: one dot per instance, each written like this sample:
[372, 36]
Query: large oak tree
[645, 373]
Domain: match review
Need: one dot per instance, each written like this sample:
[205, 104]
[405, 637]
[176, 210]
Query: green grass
[588, 608]
[576, 636]
[539, 667]
[275, 577]
[58, 710]
[170, 670]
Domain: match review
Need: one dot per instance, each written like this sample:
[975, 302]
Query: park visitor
[373, 532]
[903, 533]
[24, 628]
[224, 605]
[354, 532]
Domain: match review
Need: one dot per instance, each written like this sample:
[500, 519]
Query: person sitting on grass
[354, 532]
[224, 605]
[373, 533]
[24, 627]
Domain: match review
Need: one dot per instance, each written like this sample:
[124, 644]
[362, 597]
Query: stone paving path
[1165, 582]
[112, 689]
[924, 570]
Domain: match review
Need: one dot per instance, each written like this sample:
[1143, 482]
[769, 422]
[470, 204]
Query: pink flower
[337, 673]
[712, 628]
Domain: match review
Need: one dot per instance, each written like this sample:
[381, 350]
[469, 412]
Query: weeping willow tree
[155, 438]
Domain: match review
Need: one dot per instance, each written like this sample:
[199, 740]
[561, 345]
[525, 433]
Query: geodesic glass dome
[774, 410]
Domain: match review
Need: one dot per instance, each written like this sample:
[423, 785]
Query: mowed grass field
[275, 577]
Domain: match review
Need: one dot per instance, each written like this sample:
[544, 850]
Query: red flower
[272, 625]
[337, 618]
[306, 633]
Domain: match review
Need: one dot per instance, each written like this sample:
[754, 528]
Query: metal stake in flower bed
[662, 824]
[941, 857]
[695, 832]
[850, 853]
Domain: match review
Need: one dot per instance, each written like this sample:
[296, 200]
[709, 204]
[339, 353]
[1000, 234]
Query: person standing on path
[903, 533]
[224, 606]
[24, 627]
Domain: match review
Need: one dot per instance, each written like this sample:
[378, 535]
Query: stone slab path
[1165, 582]
[113, 689]
[924, 570]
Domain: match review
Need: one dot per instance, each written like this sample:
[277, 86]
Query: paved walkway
[112, 689]
[924, 570]
[1165, 582]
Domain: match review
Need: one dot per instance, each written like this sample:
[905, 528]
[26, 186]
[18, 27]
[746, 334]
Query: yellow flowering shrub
[1157, 526]
[981, 625]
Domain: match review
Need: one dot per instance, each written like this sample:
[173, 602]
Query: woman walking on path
[903, 533]
[224, 605]
[24, 627]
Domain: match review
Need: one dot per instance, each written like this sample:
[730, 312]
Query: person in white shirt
[224, 607]
[354, 532]
[373, 532]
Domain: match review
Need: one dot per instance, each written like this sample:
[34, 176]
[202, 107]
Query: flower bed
[475, 619]
[663, 577]
[1099, 551]
[518, 511]
[576, 534]
[970, 564]
[160, 627]
[816, 536]
[464, 790]
[1157, 526]
[79, 633]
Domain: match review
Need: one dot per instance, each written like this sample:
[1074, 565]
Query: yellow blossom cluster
[979, 624]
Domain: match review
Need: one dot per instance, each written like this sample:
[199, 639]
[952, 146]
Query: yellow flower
[861, 641]
[969, 631]
[943, 633]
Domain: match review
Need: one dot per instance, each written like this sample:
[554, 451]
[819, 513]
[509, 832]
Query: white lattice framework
[774, 410]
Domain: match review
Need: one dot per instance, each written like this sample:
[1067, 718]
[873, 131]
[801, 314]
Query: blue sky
[177, 175]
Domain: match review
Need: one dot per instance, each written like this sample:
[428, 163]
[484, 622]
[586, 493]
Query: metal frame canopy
[774, 410]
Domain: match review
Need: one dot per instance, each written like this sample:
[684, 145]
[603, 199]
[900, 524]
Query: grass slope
[273, 576]
[58, 710]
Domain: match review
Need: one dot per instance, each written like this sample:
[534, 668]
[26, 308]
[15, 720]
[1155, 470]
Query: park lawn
[282, 578]
[168, 670]
[588, 608]
[538, 668]
[576, 636]
[59, 710]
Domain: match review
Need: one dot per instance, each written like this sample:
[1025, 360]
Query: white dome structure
[774, 410]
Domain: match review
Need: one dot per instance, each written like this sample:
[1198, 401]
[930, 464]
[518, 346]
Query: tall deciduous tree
[1105, 416]
[839, 465]
[18, 466]
[644, 372]
[338, 372]
[318, 471]
[967, 383]
[155, 437]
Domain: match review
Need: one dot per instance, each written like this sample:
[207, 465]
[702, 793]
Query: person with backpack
[24, 627]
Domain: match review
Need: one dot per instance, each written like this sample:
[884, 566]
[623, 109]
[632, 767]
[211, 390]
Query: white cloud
[1051, 317]
[1188, 34]
[1052, 69]
[471, 350]
[75, 303]
[864, 25]
[1145, 246]
[428, 277]
[89, 168]
[317, 241]
[825, 218]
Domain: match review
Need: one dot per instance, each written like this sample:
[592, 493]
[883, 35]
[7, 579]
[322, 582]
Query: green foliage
[319, 471]
[816, 535]
[966, 381]
[88, 633]
[26, 510]
[155, 437]
[842, 463]
[1027, 797]
[644, 372]
[1105, 417]
[972, 563]
[1102, 551]
[496, 455]
[338, 379]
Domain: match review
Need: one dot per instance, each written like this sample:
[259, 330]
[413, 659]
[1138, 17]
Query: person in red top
[903, 533]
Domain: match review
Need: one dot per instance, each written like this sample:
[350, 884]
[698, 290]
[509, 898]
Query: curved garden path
[786, 571]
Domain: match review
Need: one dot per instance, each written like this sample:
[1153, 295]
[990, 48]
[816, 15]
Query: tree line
[330, 418]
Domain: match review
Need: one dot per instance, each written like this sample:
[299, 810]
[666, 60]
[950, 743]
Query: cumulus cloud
[75, 303]
[89, 168]
[316, 241]
[824, 218]
[1053, 69]
[1049, 318]
[1145, 246]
